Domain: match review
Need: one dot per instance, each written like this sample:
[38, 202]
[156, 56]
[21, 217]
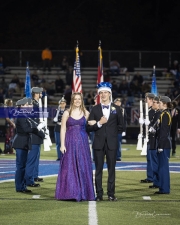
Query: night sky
[119, 24]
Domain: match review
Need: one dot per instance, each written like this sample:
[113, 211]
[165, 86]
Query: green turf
[18, 208]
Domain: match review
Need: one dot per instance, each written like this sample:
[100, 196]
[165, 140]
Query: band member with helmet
[164, 145]
[149, 99]
[175, 127]
[32, 167]
[22, 143]
[122, 133]
[153, 142]
[57, 119]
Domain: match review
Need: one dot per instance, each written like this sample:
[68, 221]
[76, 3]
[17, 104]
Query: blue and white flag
[28, 83]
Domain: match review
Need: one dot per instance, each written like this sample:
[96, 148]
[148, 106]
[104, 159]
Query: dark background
[119, 24]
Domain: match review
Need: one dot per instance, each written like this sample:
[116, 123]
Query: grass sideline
[18, 208]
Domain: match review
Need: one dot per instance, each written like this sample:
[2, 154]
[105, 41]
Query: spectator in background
[2, 66]
[174, 69]
[4, 85]
[46, 58]
[59, 85]
[114, 89]
[64, 64]
[35, 78]
[114, 67]
[139, 78]
[123, 87]
[1, 96]
[145, 88]
[69, 76]
[67, 94]
[9, 126]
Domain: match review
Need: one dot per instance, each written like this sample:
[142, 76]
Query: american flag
[28, 83]
[77, 86]
[100, 77]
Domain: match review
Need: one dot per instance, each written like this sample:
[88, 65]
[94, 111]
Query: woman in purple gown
[75, 178]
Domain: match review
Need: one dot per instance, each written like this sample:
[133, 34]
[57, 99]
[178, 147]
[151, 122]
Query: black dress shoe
[57, 159]
[38, 179]
[153, 186]
[160, 193]
[112, 198]
[34, 185]
[25, 191]
[99, 198]
[145, 181]
[118, 159]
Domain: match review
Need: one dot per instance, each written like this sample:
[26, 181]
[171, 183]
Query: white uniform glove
[152, 130]
[160, 150]
[55, 119]
[147, 122]
[41, 125]
[141, 121]
[123, 134]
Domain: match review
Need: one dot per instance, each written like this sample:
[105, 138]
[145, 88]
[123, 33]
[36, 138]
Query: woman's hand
[63, 149]
[91, 122]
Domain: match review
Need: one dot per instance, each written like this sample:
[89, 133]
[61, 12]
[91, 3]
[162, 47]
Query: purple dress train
[75, 177]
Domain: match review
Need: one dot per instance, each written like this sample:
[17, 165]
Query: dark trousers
[21, 159]
[155, 165]
[149, 165]
[32, 166]
[163, 172]
[173, 140]
[99, 163]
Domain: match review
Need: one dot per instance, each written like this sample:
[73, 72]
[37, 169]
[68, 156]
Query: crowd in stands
[123, 85]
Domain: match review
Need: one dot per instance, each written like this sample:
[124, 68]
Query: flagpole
[100, 77]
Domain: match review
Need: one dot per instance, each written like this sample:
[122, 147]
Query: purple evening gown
[75, 177]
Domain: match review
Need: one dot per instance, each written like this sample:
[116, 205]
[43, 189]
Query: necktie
[105, 107]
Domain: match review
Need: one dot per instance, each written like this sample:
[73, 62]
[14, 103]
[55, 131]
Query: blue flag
[28, 83]
[154, 86]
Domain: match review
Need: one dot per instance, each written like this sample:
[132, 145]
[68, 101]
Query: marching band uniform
[22, 144]
[32, 167]
[149, 171]
[57, 119]
[175, 113]
[153, 145]
[164, 147]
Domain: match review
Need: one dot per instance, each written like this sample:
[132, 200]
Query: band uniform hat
[149, 95]
[117, 99]
[104, 86]
[22, 101]
[164, 99]
[62, 100]
[36, 89]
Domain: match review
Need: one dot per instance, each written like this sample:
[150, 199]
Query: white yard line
[93, 220]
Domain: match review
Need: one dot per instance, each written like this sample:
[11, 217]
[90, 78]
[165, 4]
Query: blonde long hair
[82, 107]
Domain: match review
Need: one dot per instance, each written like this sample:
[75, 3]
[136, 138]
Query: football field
[137, 204]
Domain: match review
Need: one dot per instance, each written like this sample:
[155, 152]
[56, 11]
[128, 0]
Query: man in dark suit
[106, 121]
